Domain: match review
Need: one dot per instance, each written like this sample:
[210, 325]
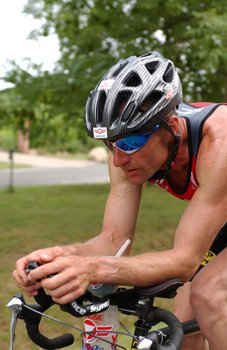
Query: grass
[7, 165]
[32, 218]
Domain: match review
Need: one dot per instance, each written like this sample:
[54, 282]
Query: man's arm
[118, 225]
[205, 215]
[195, 234]
[119, 220]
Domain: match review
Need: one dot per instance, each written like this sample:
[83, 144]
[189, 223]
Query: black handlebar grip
[43, 299]
[175, 331]
[46, 343]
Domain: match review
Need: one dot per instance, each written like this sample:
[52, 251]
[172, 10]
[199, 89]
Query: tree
[37, 107]
[94, 34]
[15, 107]
[27, 105]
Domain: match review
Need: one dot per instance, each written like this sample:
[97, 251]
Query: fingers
[70, 276]
[31, 289]
[44, 271]
[42, 256]
[64, 290]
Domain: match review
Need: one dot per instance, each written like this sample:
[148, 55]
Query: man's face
[144, 163]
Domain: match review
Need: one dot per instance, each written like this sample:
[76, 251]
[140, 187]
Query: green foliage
[7, 139]
[94, 34]
[58, 135]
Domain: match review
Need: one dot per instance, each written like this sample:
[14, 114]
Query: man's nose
[120, 158]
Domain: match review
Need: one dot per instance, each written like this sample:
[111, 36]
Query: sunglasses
[130, 144]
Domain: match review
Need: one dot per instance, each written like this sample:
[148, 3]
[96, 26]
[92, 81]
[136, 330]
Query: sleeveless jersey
[195, 115]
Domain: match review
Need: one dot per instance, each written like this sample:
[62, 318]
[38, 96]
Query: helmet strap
[161, 174]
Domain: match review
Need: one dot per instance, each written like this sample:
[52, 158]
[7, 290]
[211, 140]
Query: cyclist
[137, 110]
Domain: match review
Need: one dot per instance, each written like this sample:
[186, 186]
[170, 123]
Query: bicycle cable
[81, 331]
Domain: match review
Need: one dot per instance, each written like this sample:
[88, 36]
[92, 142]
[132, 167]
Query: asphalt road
[26, 177]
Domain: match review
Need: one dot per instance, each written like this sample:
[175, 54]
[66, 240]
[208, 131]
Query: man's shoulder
[219, 118]
[196, 105]
[195, 110]
[200, 109]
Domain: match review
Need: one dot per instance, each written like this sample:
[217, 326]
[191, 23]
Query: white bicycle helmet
[133, 97]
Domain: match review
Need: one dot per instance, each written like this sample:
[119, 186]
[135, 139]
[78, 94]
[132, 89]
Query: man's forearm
[101, 245]
[141, 270]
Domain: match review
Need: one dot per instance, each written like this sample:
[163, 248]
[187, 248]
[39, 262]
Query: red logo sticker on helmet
[100, 133]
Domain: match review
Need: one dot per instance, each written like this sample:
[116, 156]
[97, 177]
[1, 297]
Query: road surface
[51, 171]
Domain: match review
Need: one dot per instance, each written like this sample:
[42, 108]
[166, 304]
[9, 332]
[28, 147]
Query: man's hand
[71, 276]
[42, 256]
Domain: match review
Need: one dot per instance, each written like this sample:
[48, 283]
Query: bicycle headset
[133, 98]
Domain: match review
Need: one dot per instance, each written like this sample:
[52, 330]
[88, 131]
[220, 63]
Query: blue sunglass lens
[132, 143]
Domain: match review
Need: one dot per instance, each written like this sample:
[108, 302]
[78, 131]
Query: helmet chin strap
[161, 174]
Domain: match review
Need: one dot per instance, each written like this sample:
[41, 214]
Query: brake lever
[15, 305]
[21, 310]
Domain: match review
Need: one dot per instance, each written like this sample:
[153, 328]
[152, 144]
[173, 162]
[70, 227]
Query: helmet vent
[132, 80]
[119, 106]
[152, 66]
[121, 66]
[150, 101]
[169, 72]
[128, 111]
[100, 106]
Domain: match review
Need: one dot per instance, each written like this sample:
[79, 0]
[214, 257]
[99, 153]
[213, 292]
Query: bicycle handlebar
[32, 315]
[74, 308]
[175, 331]
[44, 302]
[127, 301]
[32, 320]
[39, 339]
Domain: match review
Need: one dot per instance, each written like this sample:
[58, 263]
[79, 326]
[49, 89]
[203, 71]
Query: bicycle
[134, 301]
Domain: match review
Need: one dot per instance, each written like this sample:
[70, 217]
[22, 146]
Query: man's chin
[136, 180]
[136, 176]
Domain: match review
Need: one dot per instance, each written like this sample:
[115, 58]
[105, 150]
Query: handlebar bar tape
[46, 343]
[32, 321]
[175, 332]
[44, 299]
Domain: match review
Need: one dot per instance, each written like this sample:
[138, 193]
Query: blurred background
[53, 52]
[69, 45]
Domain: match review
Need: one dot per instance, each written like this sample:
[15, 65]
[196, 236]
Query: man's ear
[173, 123]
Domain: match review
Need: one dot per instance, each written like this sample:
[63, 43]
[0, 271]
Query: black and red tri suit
[195, 115]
